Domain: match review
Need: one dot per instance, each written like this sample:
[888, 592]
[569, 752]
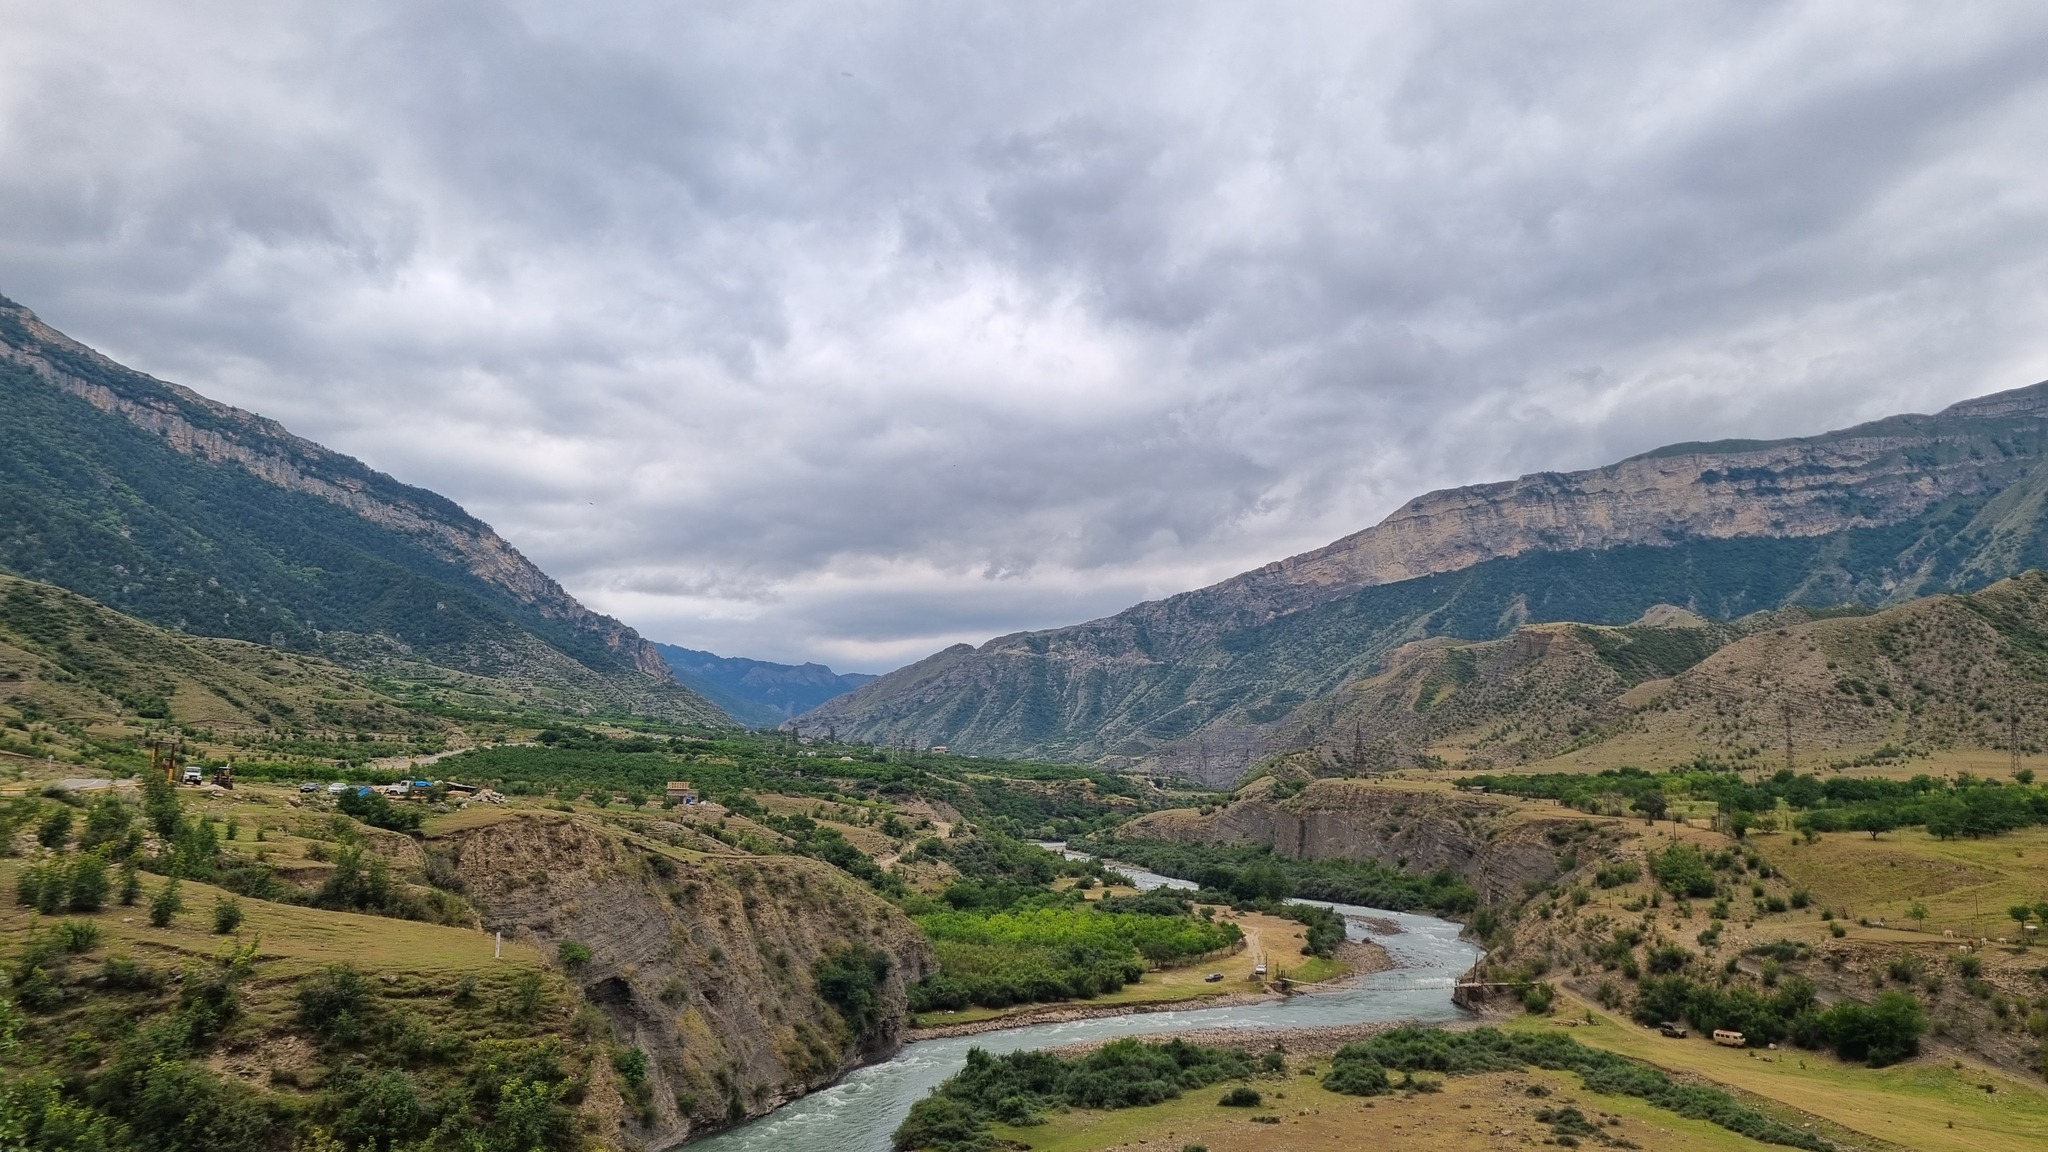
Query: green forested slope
[203, 518]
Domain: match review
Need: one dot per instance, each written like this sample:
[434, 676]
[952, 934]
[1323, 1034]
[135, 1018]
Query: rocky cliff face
[704, 962]
[1872, 514]
[1481, 838]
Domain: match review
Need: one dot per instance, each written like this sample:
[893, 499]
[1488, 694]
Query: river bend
[858, 1113]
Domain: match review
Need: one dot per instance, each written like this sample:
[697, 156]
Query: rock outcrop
[1481, 838]
[704, 962]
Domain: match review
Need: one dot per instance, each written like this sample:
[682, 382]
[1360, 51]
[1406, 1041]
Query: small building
[1730, 1038]
[679, 792]
[941, 749]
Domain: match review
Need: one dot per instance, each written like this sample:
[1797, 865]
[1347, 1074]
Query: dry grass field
[1931, 1104]
[290, 937]
[1471, 1113]
[1965, 885]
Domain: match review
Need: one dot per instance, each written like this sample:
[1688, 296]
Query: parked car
[1213, 977]
[193, 776]
[309, 786]
[1673, 1029]
[337, 788]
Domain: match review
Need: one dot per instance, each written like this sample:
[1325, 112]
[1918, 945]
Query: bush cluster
[1880, 1033]
[1361, 1069]
[1020, 1087]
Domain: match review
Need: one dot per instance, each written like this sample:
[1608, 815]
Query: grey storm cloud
[836, 332]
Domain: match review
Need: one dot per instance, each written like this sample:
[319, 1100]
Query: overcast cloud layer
[846, 332]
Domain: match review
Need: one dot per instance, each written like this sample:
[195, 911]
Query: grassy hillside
[1904, 686]
[81, 681]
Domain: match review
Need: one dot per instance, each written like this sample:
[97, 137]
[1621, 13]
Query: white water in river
[858, 1113]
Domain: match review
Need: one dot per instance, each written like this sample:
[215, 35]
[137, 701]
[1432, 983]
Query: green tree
[1652, 804]
[88, 883]
[1684, 870]
[160, 805]
[850, 979]
[166, 905]
[1881, 1033]
[227, 914]
[107, 823]
[55, 830]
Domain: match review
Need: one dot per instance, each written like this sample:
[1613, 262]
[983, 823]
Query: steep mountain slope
[1534, 694]
[1197, 682]
[758, 693]
[197, 516]
[1938, 673]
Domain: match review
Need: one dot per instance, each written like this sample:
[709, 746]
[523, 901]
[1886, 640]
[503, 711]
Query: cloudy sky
[845, 332]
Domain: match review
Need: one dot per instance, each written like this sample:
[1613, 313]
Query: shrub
[88, 883]
[227, 914]
[574, 953]
[942, 1122]
[631, 1065]
[55, 830]
[1358, 1077]
[1241, 1097]
[122, 972]
[1683, 870]
[333, 1004]
[166, 905]
[1881, 1033]
[1617, 874]
[78, 935]
[528, 994]
[1015, 1087]
[850, 980]
[1412, 1050]
[1668, 958]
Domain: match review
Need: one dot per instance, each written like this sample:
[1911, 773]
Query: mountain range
[204, 519]
[1206, 682]
[758, 693]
